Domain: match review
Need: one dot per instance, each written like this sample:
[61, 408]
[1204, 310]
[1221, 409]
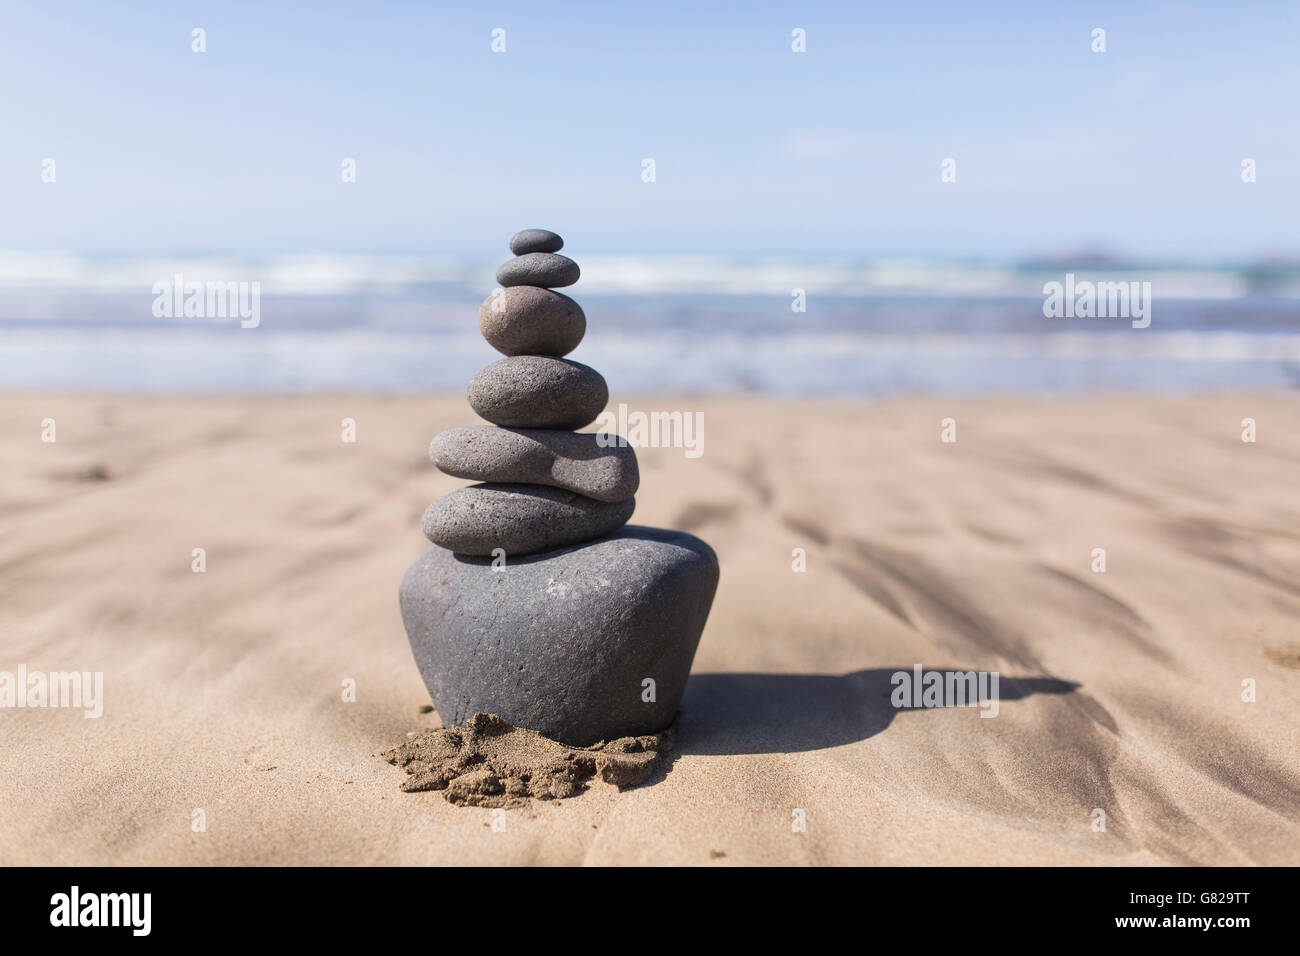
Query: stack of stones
[537, 602]
[545, 485]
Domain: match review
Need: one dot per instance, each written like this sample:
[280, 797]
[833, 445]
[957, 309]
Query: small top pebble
[535, 240]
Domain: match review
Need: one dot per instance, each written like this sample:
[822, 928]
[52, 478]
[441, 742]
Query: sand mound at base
[491, 763]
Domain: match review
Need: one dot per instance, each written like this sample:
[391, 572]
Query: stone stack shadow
[536, 601]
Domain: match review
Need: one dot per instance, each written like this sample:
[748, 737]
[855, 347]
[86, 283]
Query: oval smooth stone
[535, 391]
[519, 519]
[535, 240]
[527, 320]
[538, 456]
[543, 269]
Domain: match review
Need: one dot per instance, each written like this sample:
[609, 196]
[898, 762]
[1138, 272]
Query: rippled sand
[1120, 692]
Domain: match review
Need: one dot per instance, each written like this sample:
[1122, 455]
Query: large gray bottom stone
[563, 642]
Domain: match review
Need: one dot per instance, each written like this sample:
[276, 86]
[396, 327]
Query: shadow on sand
[789, 713]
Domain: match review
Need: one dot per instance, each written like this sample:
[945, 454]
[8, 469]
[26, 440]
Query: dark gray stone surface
[535, 240]
[536, 391]
[519, 519]
[526, 320]
[543, 269]
[538, 456]
[562, 642]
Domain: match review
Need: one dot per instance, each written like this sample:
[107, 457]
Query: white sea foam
[327, 274]
[656, 323]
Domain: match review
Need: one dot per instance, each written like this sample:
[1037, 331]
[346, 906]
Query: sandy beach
[224, 691]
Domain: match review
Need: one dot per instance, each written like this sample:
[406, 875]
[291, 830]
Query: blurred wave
[691, 323]
[332, 274]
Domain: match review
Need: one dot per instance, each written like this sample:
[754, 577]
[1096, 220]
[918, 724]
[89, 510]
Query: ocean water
[655, 323]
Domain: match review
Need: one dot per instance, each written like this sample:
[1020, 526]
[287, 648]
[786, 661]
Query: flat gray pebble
[563, 642]
[535, 240]
[575, 462]
[542, 269]
[536, 391]
[526, 320]
[519, 519]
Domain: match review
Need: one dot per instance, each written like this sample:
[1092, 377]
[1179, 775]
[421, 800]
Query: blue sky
[758, 150]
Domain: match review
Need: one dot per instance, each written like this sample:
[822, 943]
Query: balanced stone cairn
[537, 601]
